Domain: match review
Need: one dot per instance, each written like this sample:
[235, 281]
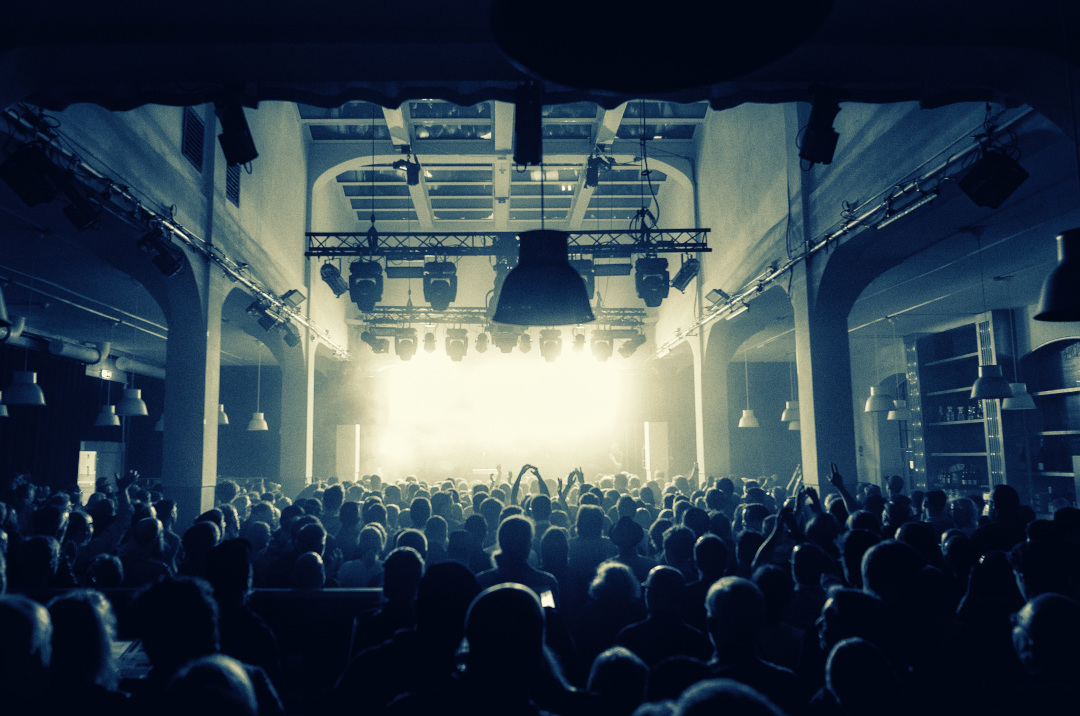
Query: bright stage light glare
[509, 408]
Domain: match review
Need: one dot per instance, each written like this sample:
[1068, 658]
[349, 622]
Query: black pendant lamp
[1060, 297]
[543, 289]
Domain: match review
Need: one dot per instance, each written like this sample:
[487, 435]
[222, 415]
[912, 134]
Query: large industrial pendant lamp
[900, 409]
[543, 289]
[990, 384]
[107, 417]
[258, 420]
[132, 404]
[222, 418]
[879, 401]
[1019, 398]
[24, 389]
[748, 419]
[791, 408]
[3, 408]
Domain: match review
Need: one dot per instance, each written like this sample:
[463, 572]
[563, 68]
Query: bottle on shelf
[1040, 460]
[950, 415]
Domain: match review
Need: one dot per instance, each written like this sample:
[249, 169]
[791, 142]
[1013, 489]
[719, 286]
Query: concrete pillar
[192, 363]
[823, 357]
[297, 402]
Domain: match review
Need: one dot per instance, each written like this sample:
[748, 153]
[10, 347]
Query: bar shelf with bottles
[955, 448]
[1053, 375]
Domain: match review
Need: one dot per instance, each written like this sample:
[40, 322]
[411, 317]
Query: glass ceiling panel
[630, 130]
[448, 110]
[573, 110]
[451, 131]
[347, 132]
[349, 110]
[673, 110]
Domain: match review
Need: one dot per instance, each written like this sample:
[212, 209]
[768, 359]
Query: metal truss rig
[404, 315]
[414, 246]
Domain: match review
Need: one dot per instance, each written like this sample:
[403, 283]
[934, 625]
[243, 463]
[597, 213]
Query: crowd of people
[524, 595]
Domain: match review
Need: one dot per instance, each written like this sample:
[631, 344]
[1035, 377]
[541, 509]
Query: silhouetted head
[862, 680]
[515, 539]
[442, 599]
[505, 631]
[852, 613]
[1045, 633]
[711, 557]
[413, 538]
[777, 587]
[735, 610]
[84, 628]
[419, 512]
[723, 696]
[853, 545]
[25, 649]
[618, 677]
[1004, 504]
[890, 569]
[402, 569]
[228, 569]
[214, 685]
[615, 583]
[664, 588]
[177, 620]
[308, 571]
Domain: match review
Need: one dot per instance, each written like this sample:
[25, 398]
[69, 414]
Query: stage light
[579, 342]
[265, 318]
[440, 284]
[543, 289]
[818, 142]
[716, 295]
[631, 345]
[235, 137]
[429, 342]
[525, 343]
[331, 275]
[168, 258]
[378, 345]
[457, 343]
[601, 345]
[651, 279]
[550, 344]
[592, 172]
[405, 343]
[293, 298]
[992, 178]
[411, 169]
[290, 334]
[505, 338]
[28, 171]
[482, 343]
[365, 284]
[686, 273]
[528, 124]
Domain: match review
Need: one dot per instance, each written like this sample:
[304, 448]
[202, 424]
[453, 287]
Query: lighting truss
[475, 316]
[414, 246]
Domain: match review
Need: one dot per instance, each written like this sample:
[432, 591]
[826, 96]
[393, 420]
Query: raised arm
[517, 483]
[837, 481]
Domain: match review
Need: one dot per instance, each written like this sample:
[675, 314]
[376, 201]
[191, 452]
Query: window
[232, 183]
[192, 141]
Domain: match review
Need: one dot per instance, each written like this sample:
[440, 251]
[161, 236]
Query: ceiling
[435, 83]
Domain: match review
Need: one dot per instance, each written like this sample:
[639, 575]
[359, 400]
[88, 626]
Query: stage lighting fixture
[331, 275]
[592, 172]
[585, 268]
[365, 284]
[686, 273]
[528, 124]
[235, 137]
[290, 334]
[601, 345]
[651, 279]
[457, 343]
[168, 258]
[543, 289]
[411, 169]
[505, 338]
[631, 345]
[293, 298]
[440, 284]
[378, 345]
[429, 342]
[405, 343]
[992, 178]
[715, 296]
[818, 142]
[550, 344]
[482, 343]
[81, 212]
[525, 343]
[579, 342]
[268, 321]
[29, 173]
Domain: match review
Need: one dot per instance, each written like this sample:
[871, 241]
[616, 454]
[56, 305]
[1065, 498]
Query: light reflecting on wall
[445, 417]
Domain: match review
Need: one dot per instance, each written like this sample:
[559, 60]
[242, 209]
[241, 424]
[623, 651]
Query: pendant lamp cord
[746, 368]
[258, 382]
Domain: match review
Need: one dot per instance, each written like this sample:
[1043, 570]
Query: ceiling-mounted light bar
[890, 217]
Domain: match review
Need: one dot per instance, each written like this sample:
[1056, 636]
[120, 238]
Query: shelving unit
[1053, 375]
[958, 442]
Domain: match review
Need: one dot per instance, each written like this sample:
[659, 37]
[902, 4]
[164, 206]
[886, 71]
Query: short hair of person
[212, 685]
[619, 676]
[724, 696]
[614, 582]
[84, 628]
[735, 611]
[515, 537]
